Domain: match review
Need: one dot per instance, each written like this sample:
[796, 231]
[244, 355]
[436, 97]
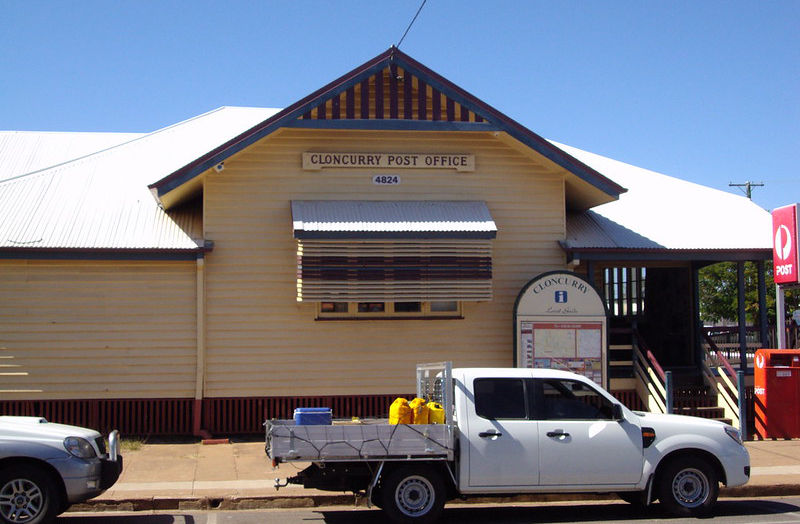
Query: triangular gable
[391, 91]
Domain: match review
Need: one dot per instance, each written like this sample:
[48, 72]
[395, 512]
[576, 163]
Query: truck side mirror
[616, 413]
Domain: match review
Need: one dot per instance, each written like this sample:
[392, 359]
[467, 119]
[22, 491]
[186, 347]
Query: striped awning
[350, 251]
[377, 219]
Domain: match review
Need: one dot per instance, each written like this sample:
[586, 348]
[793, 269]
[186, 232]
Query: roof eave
[67, 253]
[266, 127]
[665, 254]
[280, 119]
[517, 130]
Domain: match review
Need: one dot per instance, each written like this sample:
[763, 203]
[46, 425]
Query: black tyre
[688, 487]
[28, 495]
[413, 494]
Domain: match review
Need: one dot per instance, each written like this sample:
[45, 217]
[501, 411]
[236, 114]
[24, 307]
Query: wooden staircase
[692, 397]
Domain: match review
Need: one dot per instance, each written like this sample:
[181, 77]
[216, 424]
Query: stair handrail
[656, 366]
[719, 356]
[724, 382]
[651, 375]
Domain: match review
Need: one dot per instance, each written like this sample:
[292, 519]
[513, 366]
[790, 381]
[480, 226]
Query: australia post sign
[785, 250]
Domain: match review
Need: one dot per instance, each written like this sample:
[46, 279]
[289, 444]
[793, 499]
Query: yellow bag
[400, 412]
[419, 410]
[435, 413]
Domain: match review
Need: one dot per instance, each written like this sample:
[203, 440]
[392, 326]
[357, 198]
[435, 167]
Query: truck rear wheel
[688, 487]
[413, 494]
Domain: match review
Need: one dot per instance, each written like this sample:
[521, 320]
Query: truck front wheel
[688, 486]
[413, 494]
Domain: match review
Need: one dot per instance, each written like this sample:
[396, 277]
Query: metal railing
[730, 334]
[731, 351]
[725, 340]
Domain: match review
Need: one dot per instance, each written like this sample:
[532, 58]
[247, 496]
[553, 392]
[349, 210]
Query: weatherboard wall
[261, 341]
[97, 329]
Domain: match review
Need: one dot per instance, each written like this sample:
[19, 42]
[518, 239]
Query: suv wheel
[28, 495]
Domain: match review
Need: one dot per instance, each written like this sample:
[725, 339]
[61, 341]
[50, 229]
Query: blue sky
[706, 91]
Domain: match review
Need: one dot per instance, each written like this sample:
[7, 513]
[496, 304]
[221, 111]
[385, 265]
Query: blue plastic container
[313, 416]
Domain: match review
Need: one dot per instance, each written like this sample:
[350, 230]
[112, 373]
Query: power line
[412, 23]
[748, 187]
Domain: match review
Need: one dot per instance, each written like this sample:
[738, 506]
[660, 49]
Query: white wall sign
[458, 161]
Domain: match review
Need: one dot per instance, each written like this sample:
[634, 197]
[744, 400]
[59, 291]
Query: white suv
[46, 467]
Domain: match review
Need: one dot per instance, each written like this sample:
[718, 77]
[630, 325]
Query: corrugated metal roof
[331, 219]
[589, 227]
[23, 152]
[101, 201]
[663, 212]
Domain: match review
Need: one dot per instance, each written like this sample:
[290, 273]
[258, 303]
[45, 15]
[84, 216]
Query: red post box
[777, 393]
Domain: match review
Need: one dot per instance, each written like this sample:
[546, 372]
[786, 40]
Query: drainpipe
[200, 358]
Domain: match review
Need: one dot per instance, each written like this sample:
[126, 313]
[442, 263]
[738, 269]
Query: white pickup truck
[514, 431]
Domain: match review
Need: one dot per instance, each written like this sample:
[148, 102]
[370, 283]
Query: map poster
[570, 346]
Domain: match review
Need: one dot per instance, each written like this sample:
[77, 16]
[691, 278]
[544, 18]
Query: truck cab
[523, 423]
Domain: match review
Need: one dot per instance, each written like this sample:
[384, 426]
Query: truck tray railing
[287, 441]
[373, 439]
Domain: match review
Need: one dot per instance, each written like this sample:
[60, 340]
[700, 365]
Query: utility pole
[748, 187]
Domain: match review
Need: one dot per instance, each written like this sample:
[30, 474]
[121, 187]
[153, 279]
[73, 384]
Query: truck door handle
[487, 434]
[558, 433]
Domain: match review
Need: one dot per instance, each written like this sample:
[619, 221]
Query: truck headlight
[79, 447]
[734, 434]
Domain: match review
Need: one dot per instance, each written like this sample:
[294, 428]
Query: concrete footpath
[238, 475]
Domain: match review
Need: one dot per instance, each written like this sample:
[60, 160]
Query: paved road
[731, 511]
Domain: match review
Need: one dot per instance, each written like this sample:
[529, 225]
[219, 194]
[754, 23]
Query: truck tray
[377, 440]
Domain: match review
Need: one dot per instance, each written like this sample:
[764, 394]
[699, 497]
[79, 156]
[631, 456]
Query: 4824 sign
[386, 180]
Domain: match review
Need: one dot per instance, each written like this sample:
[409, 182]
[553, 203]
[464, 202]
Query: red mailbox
[777, 393]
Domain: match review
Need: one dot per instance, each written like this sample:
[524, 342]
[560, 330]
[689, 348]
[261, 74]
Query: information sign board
[561, 324]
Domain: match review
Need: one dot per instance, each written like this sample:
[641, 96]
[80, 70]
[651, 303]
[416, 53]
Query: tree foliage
[719, 294]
